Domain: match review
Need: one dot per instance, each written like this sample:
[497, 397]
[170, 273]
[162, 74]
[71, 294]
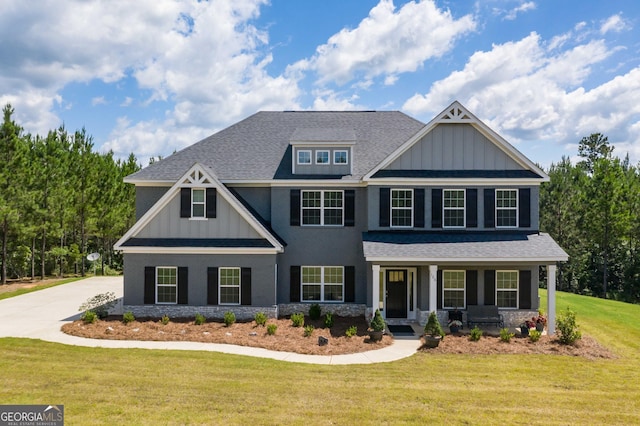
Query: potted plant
[377, 327]
[433, 331]
[454, 325]
[526, 325]
[540, 321]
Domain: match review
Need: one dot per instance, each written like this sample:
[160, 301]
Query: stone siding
[242, 313]
[341, 309]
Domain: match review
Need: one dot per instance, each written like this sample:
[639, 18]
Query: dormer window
[340, 157]
[322, 157]
[304, 157]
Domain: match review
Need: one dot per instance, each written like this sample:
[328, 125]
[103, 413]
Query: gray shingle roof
[470, 246]
[258, 147]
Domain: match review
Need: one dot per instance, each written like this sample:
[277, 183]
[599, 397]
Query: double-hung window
[453, 208]
[198, 203]
[507, 289]
[323, 208]
[453, 289]
[167, 284]
[506, 208]
[402, 208]
[229, 281]
[323, 283]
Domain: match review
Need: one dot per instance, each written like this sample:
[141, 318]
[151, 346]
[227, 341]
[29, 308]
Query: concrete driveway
[39, 315]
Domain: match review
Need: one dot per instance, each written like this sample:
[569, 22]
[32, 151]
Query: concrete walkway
[39, 315]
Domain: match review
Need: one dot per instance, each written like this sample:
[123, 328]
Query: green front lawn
[41, 286]
[110, 386]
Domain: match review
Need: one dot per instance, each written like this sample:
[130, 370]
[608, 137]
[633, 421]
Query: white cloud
[614, 23]
[528, 92]
[98, 100]
[128, 100]
[389, 42]
[205, 58]
[524, 7]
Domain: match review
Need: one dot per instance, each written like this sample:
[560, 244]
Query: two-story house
[356, 211]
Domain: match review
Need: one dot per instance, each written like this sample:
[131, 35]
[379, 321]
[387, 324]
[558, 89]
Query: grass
[112, 386]
[20, 291]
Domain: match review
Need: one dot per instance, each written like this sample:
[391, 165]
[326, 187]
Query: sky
[154, 76]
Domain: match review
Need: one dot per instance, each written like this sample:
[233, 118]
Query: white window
[506, 208]
[453, 208]
[453, 289]
[340, 157]
[198, 203]
[322, 157]
[322, 283]
[322, 208]
[507, 289]
[166, 284]
[229, 280]
[402, 208]
[304, 157]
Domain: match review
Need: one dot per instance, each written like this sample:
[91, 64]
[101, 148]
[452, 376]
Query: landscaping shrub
[308, 330]
[260, 318]
[568, 331]
[505, 336]
[164, 320]
[475, 334]
[229, 318]
[297, 319]
[271, 329]
[100, 304]
[351, 331]
[200, 319]
[328, 320]
[89, 317]
[433, 327]
[128, 317]
[534, 335]
[315, 311]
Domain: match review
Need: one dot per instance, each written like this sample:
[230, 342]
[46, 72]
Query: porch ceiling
[476, 247]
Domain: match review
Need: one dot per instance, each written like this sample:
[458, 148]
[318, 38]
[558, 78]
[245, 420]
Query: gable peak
[456, 113]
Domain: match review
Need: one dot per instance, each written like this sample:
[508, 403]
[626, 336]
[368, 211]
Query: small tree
[377, 323]
[567, 327]
[433, 327]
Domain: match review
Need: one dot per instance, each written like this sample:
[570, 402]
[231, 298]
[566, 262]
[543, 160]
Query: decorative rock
[160, 332]
[206, 333]
[109, 330]
[323, 341]
[135, 330]
[228, 334]
[253, 333]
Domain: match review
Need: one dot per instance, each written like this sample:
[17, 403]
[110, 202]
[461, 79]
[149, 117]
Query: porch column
[551, 299]
[433, 288]
[375, 291]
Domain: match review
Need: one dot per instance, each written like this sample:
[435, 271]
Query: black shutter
[211, 202]
[524, 210]
[439, 288]
[489, 208]
[149, 285]
[245, 286]
[436, 208]
[472, 287]
[418, 208]
[524, 297]
[385, 213]
[294, 280]
[294, 207]
[349, 284]
[490, 287]
[349, 207]
[183, 286]
[472, 209]
[185, 202]
[212, 286]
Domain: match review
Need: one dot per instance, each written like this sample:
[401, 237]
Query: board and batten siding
[227, 224]
[454, 147]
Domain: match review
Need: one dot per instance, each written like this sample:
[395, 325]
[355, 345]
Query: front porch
[411, 276]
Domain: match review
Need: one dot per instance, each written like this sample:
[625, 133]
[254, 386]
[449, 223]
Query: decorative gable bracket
[197, 178]
[456, 114]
